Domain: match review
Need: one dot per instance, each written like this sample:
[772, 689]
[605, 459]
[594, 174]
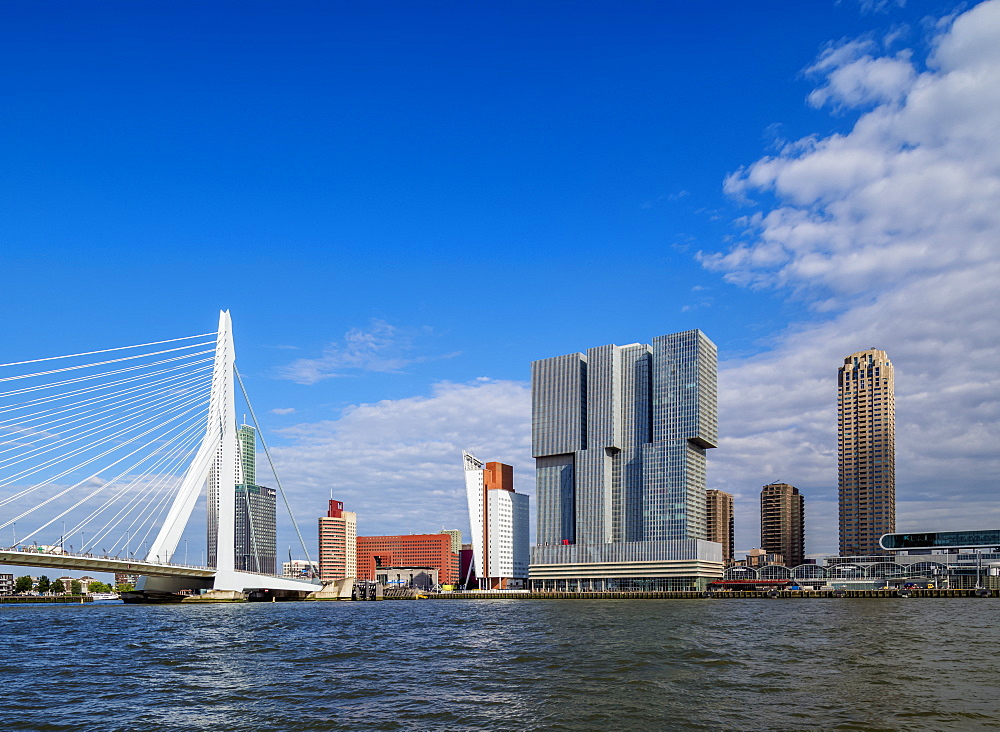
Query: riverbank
[29, 600]
[711, 595]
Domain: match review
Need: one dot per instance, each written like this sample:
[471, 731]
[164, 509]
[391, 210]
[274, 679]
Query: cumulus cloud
[381, 347]
[891, 232]
[398, 463]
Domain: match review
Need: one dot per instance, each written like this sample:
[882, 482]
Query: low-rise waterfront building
[6, 584]
[419, 578]
[941, 560]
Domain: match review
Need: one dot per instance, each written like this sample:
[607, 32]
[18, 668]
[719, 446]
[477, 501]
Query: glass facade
[255, 529]
[942, 540]
[255, 518]
[620, 436]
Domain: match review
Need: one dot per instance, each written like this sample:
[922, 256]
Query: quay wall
[18, 600]
[710, 595]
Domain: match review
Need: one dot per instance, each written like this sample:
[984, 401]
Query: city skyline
[836, 193]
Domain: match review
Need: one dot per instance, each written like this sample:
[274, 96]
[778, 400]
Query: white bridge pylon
[216, 461]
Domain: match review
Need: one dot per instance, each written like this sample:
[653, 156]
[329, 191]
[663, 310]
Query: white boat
[104, 596]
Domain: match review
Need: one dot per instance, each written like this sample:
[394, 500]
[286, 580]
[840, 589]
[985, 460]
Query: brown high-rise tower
[719, 520]
[782, 522]
[866, 452]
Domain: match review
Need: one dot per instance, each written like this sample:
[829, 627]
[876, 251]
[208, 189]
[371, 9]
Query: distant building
[620, 437]
[6, 584]
[67, 584]
[338, 545]
[255, 507]
[720, 521]
[782, 522]
[866, 451]
[759, 558]
[299, 568]
[123, 578]
[413, 550]
[498, 517]
[256, 540]
[456, 538]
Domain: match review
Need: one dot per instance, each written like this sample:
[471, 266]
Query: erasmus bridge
[104, 456]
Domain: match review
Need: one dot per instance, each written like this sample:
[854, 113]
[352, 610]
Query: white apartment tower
[498, 518]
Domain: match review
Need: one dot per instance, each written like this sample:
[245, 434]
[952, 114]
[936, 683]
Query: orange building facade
[338, 543]
[412, 550]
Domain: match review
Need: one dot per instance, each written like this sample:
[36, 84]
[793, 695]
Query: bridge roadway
[91, 563]
[163, 579]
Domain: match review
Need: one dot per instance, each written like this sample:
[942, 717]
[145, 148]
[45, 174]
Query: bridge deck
[91, 563]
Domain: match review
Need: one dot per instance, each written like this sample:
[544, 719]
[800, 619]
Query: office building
[620, 437]
[782, 522]
[255, 541]
[338, 543]
[456, 538]
[299, 568]
[413, 550]
[498, 519]
[866, 451]
[720, 521]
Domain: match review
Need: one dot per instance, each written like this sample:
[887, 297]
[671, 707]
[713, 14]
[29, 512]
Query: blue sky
[404, 204]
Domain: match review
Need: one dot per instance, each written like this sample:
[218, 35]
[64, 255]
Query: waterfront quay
[713, 595]
[30, 600]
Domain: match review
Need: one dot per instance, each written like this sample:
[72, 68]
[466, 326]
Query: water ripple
[505, 665]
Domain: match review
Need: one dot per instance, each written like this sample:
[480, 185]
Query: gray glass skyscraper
[619, 437]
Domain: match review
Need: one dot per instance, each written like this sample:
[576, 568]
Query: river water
[831, 664]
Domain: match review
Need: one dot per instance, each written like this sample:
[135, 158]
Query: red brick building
[412, 550]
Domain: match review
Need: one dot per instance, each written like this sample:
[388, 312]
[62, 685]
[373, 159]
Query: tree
[43, 584]
[123, 587]
[57, 587]
[75, 588]
[23, 584]
[98, 586]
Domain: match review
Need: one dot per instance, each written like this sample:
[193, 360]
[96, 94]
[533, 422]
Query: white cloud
[381, 347]
[398, 463]
[892, 231]
[283, 410]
